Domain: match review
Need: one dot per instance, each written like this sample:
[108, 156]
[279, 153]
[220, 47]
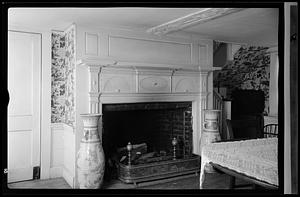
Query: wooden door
[24, 80]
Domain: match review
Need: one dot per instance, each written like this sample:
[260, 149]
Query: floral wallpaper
[63, 77]
[250, 69]
[57, 77]
[70, 76]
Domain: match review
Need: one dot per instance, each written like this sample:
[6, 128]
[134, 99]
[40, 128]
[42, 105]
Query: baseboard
[57, 126]
[69, 178]
[19, 174]
[56, 172]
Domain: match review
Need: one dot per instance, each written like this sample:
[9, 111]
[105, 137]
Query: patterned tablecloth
[255, 158]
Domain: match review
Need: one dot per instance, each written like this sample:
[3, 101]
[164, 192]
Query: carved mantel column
[206, 86]
[203, 81]
[204, 89]
[94, 68]
[94, 90]
[204, 92]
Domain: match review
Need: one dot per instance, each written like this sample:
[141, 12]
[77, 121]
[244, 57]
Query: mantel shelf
[99, 62]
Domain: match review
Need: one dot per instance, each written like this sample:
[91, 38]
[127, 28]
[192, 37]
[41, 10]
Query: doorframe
[287, 175]
[36, 162]
[45, 108]
[294, 97]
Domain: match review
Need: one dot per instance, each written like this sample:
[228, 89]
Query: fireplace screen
[157, 132]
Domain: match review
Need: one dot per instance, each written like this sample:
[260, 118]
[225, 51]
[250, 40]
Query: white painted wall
[69, 155]
[62, 152]
[134, 46]
[57, 150]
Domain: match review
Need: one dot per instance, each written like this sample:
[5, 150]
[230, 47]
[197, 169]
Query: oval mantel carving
[154, 84]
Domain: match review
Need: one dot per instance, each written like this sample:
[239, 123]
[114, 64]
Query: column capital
[94, 69]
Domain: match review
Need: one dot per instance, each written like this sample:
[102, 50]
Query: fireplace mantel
[112, 81]
[111, 78]
[108, 62]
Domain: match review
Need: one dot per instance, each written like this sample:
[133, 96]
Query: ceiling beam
[201, 16]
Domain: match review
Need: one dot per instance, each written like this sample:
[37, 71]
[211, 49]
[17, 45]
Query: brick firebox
[155, 124]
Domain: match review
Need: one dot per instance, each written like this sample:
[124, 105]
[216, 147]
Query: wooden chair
[271, 130]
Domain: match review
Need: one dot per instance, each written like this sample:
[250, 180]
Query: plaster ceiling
[257, 26]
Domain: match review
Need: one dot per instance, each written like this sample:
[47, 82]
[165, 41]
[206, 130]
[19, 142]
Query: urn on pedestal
[210, 130]
[90, 157]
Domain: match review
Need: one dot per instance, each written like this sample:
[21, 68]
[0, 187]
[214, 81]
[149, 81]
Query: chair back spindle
[271, 130]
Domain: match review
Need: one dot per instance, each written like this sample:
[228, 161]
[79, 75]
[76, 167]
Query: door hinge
[36, 172]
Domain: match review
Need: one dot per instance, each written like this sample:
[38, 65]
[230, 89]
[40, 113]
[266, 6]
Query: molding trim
[69, 177]
[202, 16]
[96, 62]
[273, 50]
[93, 63]
[157, 95]
[57, 126]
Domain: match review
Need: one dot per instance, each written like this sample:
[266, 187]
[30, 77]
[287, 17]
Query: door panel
[24, 70]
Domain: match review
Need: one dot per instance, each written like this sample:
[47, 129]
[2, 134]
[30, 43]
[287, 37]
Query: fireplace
[133, 95]
[150, 126]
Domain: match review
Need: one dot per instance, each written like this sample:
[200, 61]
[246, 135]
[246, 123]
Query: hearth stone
[158, 170]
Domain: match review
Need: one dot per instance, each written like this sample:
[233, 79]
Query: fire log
[137, 150]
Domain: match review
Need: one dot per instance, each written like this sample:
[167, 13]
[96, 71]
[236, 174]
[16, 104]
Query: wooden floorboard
[212, 181]
[56, 183]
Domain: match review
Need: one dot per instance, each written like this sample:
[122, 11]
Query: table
[256, 159]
